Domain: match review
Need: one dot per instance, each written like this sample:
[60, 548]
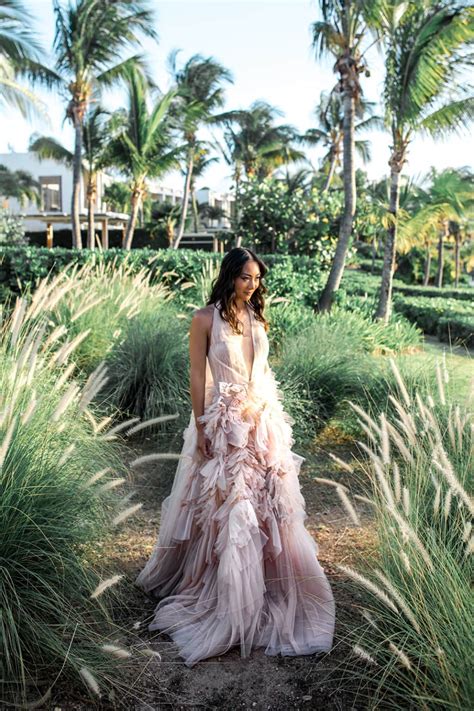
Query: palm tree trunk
[184, 207]
[427, 266]
[439, 274]
[91, 194]
[332, 168]
[374, 254]
[385, 295]
[195, 210]
[235, 226]
[76, 186]
[132, 222]
[345, 229]
[457, 251]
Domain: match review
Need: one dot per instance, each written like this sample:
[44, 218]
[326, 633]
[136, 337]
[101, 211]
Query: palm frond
[47, 147]
[363, 149]
[373, 123]
[157, 117]
[122, 71]
[325, 38]
[17, 40]
[455, 116]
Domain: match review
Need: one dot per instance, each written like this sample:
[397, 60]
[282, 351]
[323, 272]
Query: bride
[234, 563]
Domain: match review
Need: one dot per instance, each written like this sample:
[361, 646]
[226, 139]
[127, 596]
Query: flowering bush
[276, 219]
[12, 231]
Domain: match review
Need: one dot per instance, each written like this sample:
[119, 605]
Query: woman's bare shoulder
[202, 318]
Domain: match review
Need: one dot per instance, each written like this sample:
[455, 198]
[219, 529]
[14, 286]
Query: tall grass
[148, 368]
[59, 477]
[319, 368]
[340, 357]
[415, 634]
[98, 300]
[377, 337]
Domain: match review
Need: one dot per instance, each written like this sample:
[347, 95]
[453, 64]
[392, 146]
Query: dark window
[51, 194]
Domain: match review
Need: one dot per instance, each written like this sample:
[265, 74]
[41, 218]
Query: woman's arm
[198, 337]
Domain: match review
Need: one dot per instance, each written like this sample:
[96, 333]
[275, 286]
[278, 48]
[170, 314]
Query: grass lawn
[459, 364]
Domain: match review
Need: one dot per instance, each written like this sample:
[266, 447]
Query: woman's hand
[203, 444]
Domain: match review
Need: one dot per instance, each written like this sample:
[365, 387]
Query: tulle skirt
[234, 563]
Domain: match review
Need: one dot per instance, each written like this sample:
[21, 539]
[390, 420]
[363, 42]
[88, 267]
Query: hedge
[449, 319]
[298, 277]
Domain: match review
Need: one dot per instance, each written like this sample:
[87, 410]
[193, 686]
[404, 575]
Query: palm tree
[255, 143]
[19, 184]
[301, 179]
[211, 212]
[330, 131]
[89, 40]
[447, 203]
[164, 214]
[20, 56]
[201, 162]
[142, 146]
[255, 146]
[117, 196]
[94, 142]
[340, 33]
[200, 93]
[423, 93]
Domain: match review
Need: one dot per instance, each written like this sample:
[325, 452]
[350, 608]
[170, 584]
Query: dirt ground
[229, 682]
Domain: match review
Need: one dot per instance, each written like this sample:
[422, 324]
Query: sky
[266, 44]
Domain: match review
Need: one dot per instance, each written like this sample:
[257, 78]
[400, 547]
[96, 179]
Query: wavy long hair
[223, 288]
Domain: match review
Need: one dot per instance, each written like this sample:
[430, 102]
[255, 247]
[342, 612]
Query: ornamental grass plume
[53, 451]
[419, 594]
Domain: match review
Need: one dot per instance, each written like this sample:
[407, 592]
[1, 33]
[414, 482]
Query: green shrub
[12, 229]
[457, 316]
[459, 329]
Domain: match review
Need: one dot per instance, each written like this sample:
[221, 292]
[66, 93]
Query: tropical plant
[423, 93]
[163, 217]
[377, 195]
[117, 196]
[330, 131]
[341, 33]
[253, 140]
[199, 94]
[19, 184]
[142, 146]
[20, 56]
[90, 38]
[12, 229]
[449, 201]
[255, 146]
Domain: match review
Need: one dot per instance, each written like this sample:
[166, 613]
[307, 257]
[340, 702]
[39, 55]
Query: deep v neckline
[253, 340]
[251, 318]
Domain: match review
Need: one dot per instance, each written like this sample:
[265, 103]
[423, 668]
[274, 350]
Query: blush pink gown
[234, 563]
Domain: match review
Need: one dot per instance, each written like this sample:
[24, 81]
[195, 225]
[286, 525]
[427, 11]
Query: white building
[55, 181]
[224, 202]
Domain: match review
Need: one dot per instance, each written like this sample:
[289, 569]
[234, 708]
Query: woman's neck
[240, 305]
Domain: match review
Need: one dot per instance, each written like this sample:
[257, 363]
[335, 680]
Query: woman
[234, 562]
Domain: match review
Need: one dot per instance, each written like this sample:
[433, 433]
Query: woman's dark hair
[223, 287]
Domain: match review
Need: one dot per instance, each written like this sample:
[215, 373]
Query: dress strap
[214, 324]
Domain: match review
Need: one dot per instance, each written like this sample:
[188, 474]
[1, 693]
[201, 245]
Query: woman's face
[247, 281]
